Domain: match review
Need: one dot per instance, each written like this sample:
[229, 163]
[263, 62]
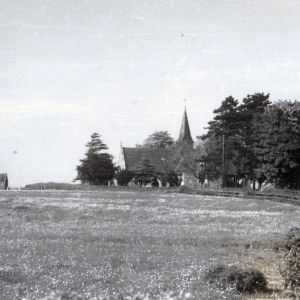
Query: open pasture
[119, 243]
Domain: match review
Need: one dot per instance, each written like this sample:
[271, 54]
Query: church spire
[185, 133]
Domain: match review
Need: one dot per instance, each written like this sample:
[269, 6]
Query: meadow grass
[117, 243]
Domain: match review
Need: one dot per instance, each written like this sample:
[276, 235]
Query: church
[162, 158]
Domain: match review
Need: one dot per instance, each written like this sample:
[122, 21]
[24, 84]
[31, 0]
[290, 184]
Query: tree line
[260, 139]
[255, 139]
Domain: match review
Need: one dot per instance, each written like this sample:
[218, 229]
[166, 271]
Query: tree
[189, 160]
[231, 131]
[158, 139]
[250, 111]
[124, 177]
[225, 120]
[222, 139]
[145, 173]
[96, 168]
[170, 177]
[277, 146]
[212, 160]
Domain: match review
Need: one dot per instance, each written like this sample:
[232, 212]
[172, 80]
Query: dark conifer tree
[233, 125]
[225, 127]
[252, 107]
[96, 168]
[278, 144]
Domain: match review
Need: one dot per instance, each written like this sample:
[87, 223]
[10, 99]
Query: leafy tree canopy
[158, 139]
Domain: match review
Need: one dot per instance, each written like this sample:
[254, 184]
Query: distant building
[3, 181]
[161, 159]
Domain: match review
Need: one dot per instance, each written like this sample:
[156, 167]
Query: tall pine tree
[233, 125]
[223, 128]
[252, 107]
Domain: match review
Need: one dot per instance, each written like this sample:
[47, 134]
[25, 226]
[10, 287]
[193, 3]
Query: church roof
[159, 158]
[185, 133]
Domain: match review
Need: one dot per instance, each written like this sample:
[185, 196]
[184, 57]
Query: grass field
[118, 243]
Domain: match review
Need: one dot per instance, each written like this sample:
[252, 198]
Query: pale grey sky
[69, 68]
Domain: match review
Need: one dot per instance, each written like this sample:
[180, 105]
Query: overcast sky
[69, 68]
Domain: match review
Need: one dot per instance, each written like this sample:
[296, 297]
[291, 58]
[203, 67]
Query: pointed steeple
[185, 133]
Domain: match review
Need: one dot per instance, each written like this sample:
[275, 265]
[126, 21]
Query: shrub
[124, 177]
[185, 190]
[290, 270]
[243, 281]
[144, 172]
[170, 177]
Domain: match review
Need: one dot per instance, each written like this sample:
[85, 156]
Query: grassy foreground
[115, 243]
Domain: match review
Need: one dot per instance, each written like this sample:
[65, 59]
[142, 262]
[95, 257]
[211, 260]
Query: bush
[290, 270]
[243, 281]
[170, 177]
[185, 190]
[144, 172]
[124, 177]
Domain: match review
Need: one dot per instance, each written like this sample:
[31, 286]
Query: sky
[69, 68]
